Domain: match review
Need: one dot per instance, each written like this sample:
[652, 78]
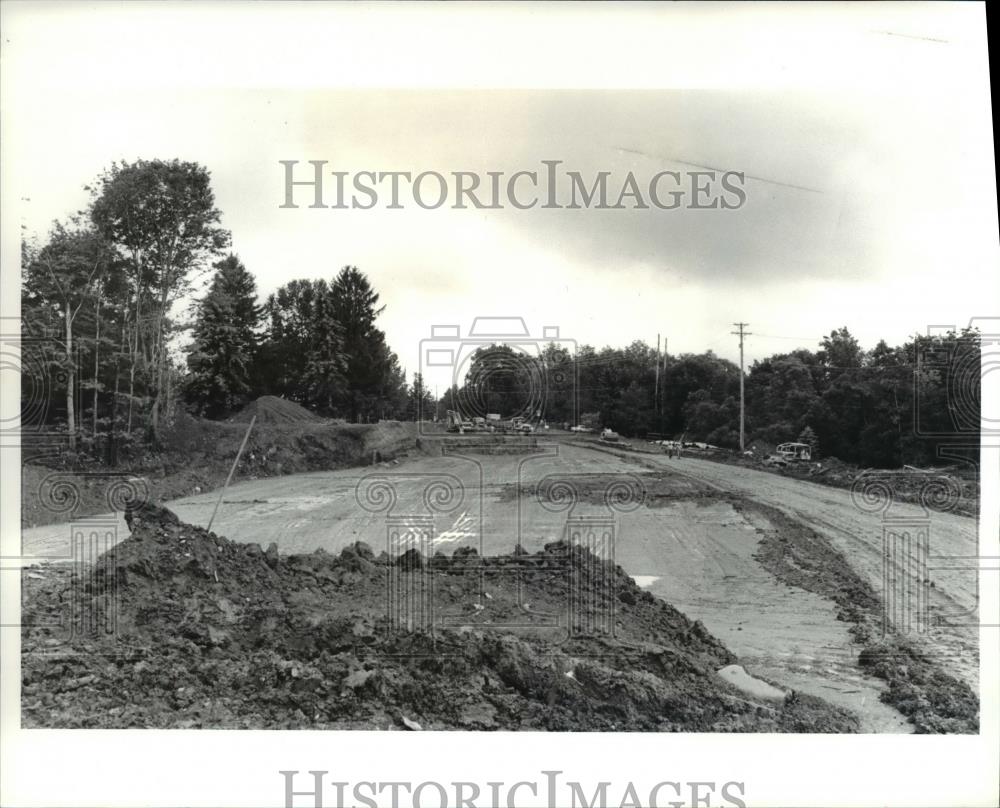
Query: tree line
[884, 407]
[101, 292]
[98, 310]
[313, 342]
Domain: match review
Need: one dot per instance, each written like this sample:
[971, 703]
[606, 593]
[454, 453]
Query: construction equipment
[456, 423]
[794, 452]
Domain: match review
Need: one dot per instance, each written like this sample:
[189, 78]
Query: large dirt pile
[213, 633]
[275, 410]
[286, 448]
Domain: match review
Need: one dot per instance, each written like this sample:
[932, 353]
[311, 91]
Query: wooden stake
[232, 471]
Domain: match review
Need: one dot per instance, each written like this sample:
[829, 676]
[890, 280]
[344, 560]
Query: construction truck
[458, 424]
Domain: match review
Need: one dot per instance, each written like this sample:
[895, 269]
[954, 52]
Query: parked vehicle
[793, 452]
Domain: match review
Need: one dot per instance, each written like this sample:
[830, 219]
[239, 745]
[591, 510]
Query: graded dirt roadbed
[857, 533]
[688, 545]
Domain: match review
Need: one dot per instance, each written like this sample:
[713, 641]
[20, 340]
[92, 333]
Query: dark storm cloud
[791, 150]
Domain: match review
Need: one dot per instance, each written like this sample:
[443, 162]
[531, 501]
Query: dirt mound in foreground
[275, 410]
[214, 633]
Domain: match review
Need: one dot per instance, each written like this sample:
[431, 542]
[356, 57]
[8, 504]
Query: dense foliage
[226, 341]
[883, 407]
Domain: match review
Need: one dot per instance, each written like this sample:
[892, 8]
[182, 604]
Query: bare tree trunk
[97, 353]
[168, 410]
[160, 357]
[133, 361]
[113, 443]
[70, 380]
[131, 385]
[135, 345]
[154, 420]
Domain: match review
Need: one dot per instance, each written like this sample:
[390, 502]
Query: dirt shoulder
[954, 489]
[928, 678]
[919, 685]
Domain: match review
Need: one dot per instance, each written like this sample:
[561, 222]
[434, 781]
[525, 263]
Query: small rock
[410, 724]
[357, 679]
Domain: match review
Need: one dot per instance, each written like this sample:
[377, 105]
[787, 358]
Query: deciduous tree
[161, 214]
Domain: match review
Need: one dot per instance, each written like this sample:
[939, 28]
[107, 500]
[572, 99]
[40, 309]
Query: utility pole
[656, 386]
[576, 385]
[666, 341]
[741, 334]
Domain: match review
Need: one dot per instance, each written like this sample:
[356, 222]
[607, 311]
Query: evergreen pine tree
[225, 341]
[324, 357]
[809, 436]
[374, 382]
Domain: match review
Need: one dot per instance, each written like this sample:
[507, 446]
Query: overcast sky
[870, 190]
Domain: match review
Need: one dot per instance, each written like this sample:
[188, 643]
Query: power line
[778, 336]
